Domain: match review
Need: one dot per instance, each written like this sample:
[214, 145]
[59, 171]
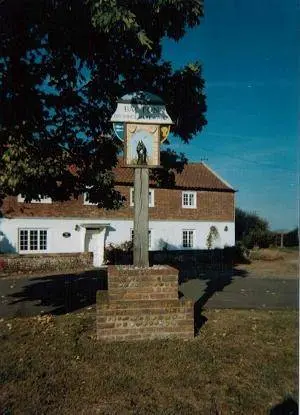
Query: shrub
[252, 230]
[258, 237]
[212, 236]
[118, 254]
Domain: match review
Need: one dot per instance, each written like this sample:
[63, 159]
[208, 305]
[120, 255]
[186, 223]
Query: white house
[179, 218]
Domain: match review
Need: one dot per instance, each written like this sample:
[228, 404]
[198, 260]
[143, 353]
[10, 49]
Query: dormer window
[189, 200]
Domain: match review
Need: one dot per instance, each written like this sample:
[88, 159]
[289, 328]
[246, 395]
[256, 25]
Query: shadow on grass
[215, 282]
[60, 293]
[287, 407]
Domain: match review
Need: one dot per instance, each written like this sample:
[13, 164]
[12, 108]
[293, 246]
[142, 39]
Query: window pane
[184, 239]
[33, 240]
[191, 201]
[185, 199]
[43, 240]
[23, 240]
[191, 239]
[188, 239]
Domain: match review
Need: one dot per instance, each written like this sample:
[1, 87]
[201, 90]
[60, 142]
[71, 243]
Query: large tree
[63, 65]
[252, 230]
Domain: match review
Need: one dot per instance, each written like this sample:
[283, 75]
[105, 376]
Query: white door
[94, 242]
[89, 234]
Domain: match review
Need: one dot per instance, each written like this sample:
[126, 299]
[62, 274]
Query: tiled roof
[194, 176]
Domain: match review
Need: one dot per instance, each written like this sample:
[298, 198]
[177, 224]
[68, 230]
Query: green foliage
[212, 236]
[118, 253]
[172, 162]
[252, 230]
[63, 65]
[258, 237]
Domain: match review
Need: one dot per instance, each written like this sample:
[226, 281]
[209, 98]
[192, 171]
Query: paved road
[59, 294]
[56, 294]
[244, 293]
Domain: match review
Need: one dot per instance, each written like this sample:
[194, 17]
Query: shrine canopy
[141, 107]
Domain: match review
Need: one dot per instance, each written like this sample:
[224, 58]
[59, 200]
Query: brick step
[122, 273]
[146, 333]
[165, 278]
[147, 321]
[128, 313]
[144, 288]
[135, 295]
[174, 304]
[136, 280]
[143, 304]
[175, 311]
[151, 336]
[172, 327]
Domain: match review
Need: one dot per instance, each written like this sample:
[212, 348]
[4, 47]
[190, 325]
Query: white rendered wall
[171, 233]
[118, 231]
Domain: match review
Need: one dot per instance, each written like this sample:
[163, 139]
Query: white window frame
[188, 195]
[21, 199]
[33, 251]
[87, 202]
[190, 241]
[151, 197]
[149, 238]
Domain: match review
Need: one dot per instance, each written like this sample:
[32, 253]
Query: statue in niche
[141, 152]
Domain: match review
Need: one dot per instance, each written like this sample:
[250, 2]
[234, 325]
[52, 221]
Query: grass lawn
[243, 362]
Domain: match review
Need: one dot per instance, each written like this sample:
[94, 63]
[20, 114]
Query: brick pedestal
[143, 304]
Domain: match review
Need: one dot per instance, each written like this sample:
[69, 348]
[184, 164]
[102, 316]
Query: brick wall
[211, 205]
[31, 263]
[143, 304]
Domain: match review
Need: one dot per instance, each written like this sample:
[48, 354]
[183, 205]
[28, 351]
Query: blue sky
[250, 59]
